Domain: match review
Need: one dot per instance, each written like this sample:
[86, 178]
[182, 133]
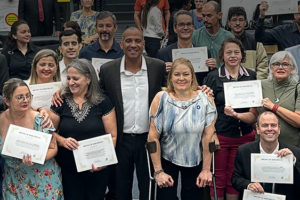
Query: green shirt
[213, 42]
[285, 92]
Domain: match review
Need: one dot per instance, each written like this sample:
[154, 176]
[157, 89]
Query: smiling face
[232, 55]
[106, 28]
[46, 69]
[133, 43]
[23, 34]
[181, 78]
[237, 24]
[70, 46]
[268, 128]
[77, 82]
[282, 70]
[184, 27]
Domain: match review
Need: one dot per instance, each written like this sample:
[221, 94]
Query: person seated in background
[183, 26]
[18, 50]
[45, 68]
[295, 51]
[197, 13]
[3, 71]
[24, 179]
[69, 46]
[106, 46]
[268, 129]
[86, 18]
[256, 56]
[284, 36]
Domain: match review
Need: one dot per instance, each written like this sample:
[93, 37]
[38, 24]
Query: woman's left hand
[96, 169]
[27, 160]
[267, 103]
[204, 179]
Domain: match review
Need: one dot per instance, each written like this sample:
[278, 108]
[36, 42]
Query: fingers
[164, 180]
[204, 179]
[56, 99]
[256, 187]
[27, 160]
[283, 152]
[71, 143]
[168, 66]
[96, 169]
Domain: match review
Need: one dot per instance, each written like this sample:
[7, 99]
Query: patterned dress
[35, 182]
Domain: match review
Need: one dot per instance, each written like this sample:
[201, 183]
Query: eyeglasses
[237, 19]
[20, 98]
[283, 65]
[182, 25]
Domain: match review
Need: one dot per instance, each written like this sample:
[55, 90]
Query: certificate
[22, 141]
[243, 94]
[249, 195]
[269, 168]
[99, 151]
[277, 7]
[197, 56]
[42, 94]
[98, 62]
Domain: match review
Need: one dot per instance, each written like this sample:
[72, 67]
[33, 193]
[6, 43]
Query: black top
[79, 124]
[19, 65]
[3, 71]
[226, 125]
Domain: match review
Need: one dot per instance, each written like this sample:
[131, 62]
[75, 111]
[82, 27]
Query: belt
[135, 134]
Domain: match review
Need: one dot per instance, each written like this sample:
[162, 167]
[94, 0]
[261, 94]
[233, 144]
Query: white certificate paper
[99, 151]
[249, 195]
[197, 56]
[243, 94]
[22, 141]
[42, 94]
[277, 7]
[98, 62]
[269, 168]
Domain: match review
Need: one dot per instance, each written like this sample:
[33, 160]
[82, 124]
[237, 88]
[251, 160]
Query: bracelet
[157, 172]
[275, 108]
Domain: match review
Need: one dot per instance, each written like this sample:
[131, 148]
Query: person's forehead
[237, 16]
[208, 8]
[184, 18]
[132, 34]
[268, 118]
[72, 37]
[106, 20]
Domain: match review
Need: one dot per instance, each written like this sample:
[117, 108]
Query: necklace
[277, 99]
[184, 107]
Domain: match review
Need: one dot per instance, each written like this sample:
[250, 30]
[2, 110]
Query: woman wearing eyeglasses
[24, 179]
[281, 96]
[45, 67]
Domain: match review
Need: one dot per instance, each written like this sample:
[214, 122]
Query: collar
[223, 73]
[30, 47]
[122, 65]
[295, 27]
[210, 35]
[263, 152]
[114, 46]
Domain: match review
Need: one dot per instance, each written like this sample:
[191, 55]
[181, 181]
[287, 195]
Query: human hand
[168, 66]
[164, 180]
[263, 7]
[56, 99]
[70, 143]
[229, 111]
[207, 90]
[27, 160]
[211, 63]
[46, 122]
[204, 178]
[284, 152]
[216, 140]
[267, 103]
[96, 169]
[256, 187]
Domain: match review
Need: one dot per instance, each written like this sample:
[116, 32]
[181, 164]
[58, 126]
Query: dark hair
[146, 9]
[69, 33]
[75, 26]
[10, 86]
[236, 11]
[181, 12]
[235, 41]
[10, 41]
[106, 14]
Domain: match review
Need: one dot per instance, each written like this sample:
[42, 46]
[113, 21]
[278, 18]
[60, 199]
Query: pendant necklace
[277, 99]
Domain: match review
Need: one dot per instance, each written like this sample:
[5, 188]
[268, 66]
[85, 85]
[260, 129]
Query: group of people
[139, 99]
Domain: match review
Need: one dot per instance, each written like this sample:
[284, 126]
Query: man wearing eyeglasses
[212, 34]
[257, 59]
[184, 28]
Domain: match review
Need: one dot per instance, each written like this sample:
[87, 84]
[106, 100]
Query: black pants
[84, 185]
[132, 154]
[152, 45]
[189, 189]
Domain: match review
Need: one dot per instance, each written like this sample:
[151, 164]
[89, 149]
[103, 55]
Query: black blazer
[110, 83]
[28, 10]
[241, 176]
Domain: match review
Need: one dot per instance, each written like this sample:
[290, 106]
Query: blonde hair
[181, 61]
[42, 54]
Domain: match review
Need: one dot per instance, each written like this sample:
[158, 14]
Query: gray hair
[280, 55]
[84, 67]
[182, 12]
[106, 14]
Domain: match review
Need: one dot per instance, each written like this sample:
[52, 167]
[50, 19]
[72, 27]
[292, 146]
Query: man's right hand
[256, 187]
[164, 180]
[263, 7]
[56, 99]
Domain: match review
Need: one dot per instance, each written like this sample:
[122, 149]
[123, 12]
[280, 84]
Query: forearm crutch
[213, 148]
[151, 148]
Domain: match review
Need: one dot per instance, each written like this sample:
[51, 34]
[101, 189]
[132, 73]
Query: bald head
[132, 30]
[216, 6]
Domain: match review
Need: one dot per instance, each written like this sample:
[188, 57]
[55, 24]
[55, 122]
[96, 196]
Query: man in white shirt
[131, 82]
[268, 130]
